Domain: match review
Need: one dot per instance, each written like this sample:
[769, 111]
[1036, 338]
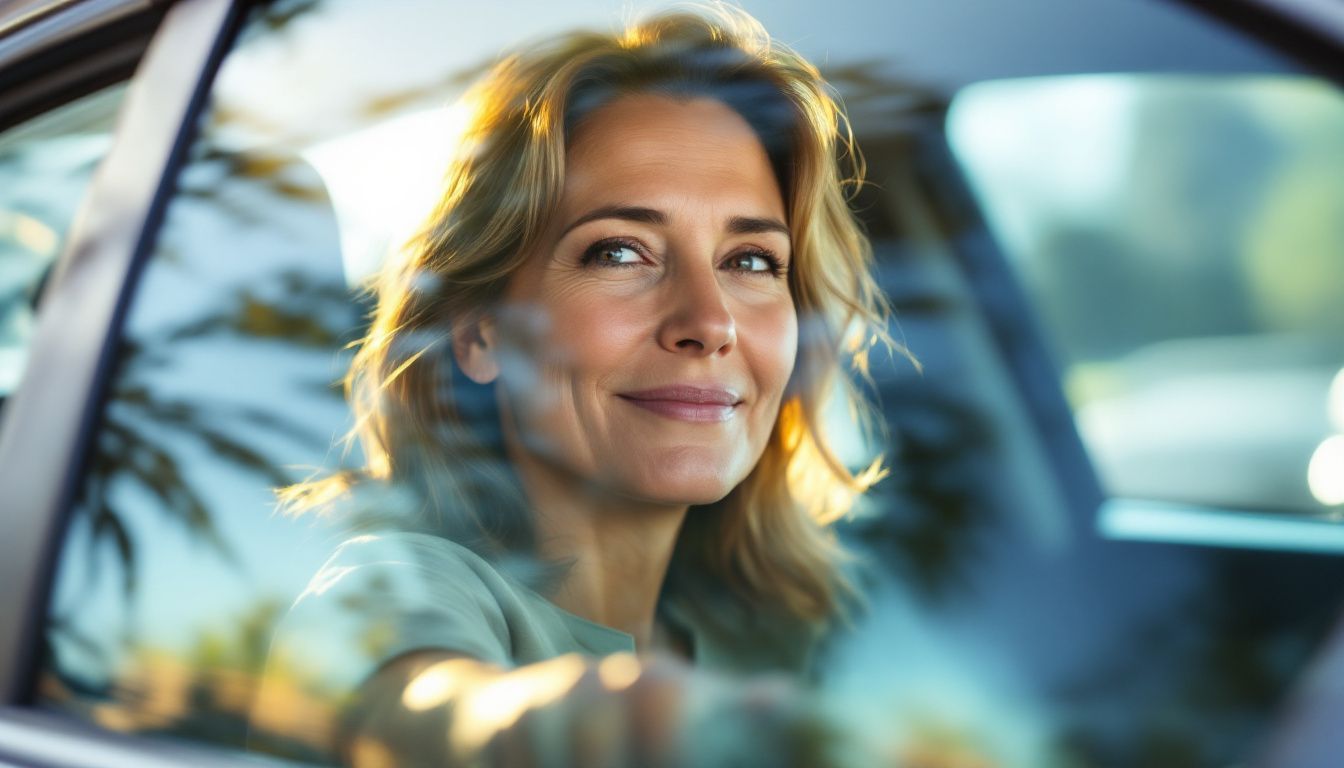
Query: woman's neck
[617, 550]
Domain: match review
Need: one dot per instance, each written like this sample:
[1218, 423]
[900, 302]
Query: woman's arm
[438, 708]
[431, 708]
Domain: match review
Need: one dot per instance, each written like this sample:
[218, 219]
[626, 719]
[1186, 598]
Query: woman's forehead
[648, 146]
[652, 116]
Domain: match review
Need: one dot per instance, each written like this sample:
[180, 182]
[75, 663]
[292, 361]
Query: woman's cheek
[597, 325]
[774, 335]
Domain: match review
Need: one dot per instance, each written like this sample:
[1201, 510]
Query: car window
[1179, 236]
[992, 624]
[1182, 238]
[46, 163]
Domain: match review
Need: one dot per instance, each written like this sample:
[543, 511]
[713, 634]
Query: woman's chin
[685, 496]
[681, 483]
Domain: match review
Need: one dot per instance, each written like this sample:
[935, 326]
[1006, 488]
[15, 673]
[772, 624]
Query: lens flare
[1325, 473]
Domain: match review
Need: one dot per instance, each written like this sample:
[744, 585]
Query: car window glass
[1182, 237]
[46, 163]
[994, 626]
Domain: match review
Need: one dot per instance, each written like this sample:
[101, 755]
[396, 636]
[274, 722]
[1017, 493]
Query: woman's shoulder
[417, 562]
[403, 549]
[379, 596]
[407, 590]
[386, 593]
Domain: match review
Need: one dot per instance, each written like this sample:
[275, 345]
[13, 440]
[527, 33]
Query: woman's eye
[753, 262]
[612, 254]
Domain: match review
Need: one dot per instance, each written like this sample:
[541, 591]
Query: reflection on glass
[176, 568]
[384, 180]
[45, 166]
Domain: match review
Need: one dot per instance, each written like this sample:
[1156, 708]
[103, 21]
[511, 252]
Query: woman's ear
[475, 348]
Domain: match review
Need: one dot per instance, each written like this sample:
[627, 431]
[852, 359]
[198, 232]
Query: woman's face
[643, 353]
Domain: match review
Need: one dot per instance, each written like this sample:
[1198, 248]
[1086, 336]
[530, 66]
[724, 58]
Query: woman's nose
[697, 319]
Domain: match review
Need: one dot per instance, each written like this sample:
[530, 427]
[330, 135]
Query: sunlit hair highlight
[426, 428]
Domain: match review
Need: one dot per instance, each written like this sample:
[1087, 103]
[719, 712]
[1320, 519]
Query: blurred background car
[1113, 233]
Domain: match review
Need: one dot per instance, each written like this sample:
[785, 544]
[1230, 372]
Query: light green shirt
[386, 594]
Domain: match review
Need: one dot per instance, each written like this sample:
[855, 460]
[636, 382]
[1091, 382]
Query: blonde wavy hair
[427, 429]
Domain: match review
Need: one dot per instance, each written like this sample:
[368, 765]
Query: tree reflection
[203, 690]
[276, 17]
[163, 412]
[143, 429]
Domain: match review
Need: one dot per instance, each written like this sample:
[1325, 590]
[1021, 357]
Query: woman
[590, 403]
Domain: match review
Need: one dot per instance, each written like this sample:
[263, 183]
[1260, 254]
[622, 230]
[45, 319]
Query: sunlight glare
[494, 706]
[618, 671]
[437, 684]
[385, 180]
[1325, 473]
[33, 234]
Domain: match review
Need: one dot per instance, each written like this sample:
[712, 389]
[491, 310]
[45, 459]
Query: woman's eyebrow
[751, 225]
[738, 225]
[623, 212]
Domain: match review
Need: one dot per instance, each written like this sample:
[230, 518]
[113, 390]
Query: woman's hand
[436, 709]
[433, 708]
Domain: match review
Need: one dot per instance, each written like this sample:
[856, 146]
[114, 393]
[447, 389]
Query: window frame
[64, 50]
[52, 415]
[1309, 32]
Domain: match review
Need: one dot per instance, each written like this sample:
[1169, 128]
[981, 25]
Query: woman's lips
[684, 403]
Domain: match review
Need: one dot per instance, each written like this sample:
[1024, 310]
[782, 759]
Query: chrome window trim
[67, 49]
[50, 419]
[45, 29]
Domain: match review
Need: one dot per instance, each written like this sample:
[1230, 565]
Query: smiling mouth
[693, 404]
